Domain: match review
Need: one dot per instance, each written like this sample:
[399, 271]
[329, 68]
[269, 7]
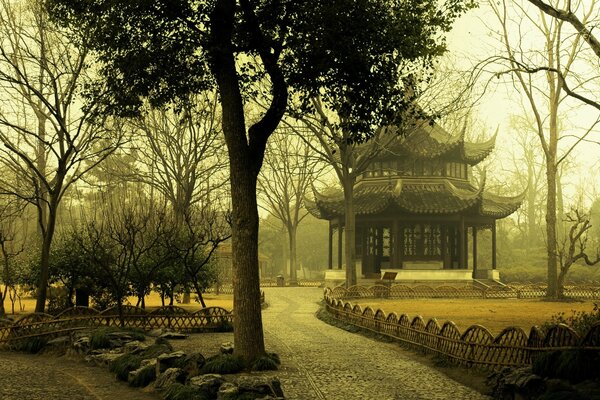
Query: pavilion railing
[77, 318]
[476, 347]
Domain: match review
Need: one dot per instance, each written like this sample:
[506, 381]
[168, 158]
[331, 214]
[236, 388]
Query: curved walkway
[342, 365]
[318, 362]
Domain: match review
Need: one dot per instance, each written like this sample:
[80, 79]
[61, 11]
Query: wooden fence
[76, 318]
[401, 291]
[476, 347]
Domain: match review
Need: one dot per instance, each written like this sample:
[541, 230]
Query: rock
[169, 377]
[59, 341]
[134, 347]
[209, 384]
[192, 364]
[173, 335]
[102, 358]
[156, 332]
[227, 391]
[260, 385]
[81, 344]
[167, 360]
[226, 348]
[145, 374]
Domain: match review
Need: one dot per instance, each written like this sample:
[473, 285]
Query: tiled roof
[432, 141]
[439, 196]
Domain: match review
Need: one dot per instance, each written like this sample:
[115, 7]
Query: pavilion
[416, 205]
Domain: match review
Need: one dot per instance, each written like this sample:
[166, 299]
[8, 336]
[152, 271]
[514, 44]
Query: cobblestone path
[318, 362]
[324, 362]
[47, 377]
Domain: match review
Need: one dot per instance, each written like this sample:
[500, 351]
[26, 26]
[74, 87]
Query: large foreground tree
[346, 50]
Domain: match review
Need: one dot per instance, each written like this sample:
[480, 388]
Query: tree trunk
[532, 239]
[292, 242]
[349, 230]
[40, 304]
[552, 250]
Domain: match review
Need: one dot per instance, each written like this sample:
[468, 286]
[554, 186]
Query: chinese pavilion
[416, 205]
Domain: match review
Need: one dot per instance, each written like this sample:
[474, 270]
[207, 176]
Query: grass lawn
[152, 301]
[494, 314]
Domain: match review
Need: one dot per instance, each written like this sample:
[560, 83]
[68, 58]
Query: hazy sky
[471, 41]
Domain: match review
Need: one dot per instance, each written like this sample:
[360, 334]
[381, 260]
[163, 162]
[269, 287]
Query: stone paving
[342, 365]
[318, 362]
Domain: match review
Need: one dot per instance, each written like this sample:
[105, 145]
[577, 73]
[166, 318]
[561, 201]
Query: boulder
[60, 341]
[145, 374]
[173, 335]
[209, 384]
[155, 332]
[226, 348]
[192, 364]
[102, 358]
[81, 344]
[227, 391]
[134, 347]
[167, 360]
[260, 385]
[169, 377]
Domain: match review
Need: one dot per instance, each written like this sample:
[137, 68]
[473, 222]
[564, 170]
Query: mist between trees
[128, 158]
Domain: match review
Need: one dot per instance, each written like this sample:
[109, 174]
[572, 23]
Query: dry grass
[152, 301]
[494, 314]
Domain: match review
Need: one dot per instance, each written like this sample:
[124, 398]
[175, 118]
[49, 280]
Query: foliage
[178, 391]
[128, 362]
[574, 365]
[100, 337]
[31, 345]
[144, 377]
[124, 364]
[269, 362]
[580, 321]
[223, 364]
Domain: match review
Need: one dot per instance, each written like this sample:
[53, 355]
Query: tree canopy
[353, 53]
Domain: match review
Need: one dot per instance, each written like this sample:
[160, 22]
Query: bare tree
[183, 153]
[289, 170]
[574, 246]
[48, 142]
[10, 210]
[568, 13]
[545, 98]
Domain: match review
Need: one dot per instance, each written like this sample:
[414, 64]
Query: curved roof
[438, 196]
[431, 141]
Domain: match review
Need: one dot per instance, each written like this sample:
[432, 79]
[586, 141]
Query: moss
[144, 377]
[177, 391]
[223, 364]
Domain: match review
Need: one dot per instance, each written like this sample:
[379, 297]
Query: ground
[319, 361]
[494, 314]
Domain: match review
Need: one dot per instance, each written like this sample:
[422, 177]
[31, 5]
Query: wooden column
[494, 245]
[461, 243]
[394, 248]
[474, 251]
[340, 246]
[330, 254]
[466, 250]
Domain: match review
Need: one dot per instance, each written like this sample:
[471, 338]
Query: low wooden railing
[475, 347]
[76, 318]
[402, 291]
